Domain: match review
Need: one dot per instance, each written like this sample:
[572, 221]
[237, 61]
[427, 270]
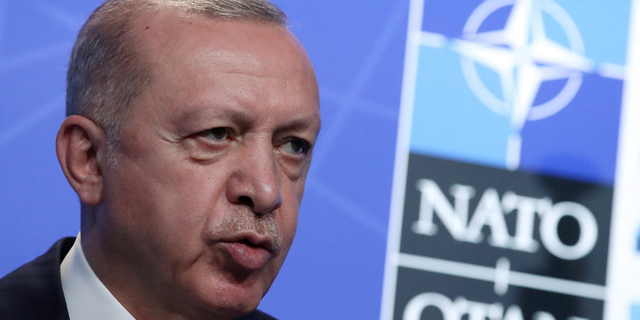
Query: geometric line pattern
[349, 208]
[347, 104]
[520, 279]
[393, 25]
[15, 130]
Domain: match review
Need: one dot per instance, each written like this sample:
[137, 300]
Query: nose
[254, 183]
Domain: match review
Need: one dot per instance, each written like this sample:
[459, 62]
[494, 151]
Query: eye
[217, 134]
[296, 146]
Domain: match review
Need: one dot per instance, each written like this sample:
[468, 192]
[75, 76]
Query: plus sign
[522, 55]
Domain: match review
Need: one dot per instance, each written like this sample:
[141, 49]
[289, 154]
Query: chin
[224, 288]
[231, 299]
[232, 306]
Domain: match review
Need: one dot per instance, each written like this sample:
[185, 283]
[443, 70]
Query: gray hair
[107, 72]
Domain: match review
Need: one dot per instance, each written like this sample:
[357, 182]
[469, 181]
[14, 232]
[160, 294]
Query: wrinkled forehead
[199, 61]
[262, 46]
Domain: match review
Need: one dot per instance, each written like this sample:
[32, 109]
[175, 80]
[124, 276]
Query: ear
[81, 147]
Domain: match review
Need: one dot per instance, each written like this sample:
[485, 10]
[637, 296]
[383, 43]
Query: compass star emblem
[523, 57]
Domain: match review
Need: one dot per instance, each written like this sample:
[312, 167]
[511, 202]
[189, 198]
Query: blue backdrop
[335, 268]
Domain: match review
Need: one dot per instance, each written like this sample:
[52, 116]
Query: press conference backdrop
[514, 176]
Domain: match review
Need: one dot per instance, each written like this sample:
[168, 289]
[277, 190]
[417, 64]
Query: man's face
[202, 207]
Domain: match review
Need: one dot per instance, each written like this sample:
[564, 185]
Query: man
[189, 135]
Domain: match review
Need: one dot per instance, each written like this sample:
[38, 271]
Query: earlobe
[81, 146]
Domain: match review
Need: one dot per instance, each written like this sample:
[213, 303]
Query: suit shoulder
[34, 291]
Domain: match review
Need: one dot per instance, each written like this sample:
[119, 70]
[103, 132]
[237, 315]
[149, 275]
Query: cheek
[290, 225]
[192, 201]
[171, 203]
[289, 212]
[287, 232]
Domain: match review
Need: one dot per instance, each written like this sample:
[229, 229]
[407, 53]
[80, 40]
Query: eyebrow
[243, 118]
[300, 125]
[246, 119]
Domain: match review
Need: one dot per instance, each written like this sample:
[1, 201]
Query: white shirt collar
[86, 296]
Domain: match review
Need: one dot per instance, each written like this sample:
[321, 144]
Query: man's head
[107, 70]
[212, 119]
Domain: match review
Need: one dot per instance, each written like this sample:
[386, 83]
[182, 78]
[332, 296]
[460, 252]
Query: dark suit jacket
[34, 291]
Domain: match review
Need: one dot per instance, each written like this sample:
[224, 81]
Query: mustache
[246, 220]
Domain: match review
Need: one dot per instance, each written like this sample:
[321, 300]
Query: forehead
[196, 51]
[262, 48]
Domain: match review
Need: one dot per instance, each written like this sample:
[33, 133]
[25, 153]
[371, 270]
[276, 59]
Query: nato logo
[514, 110]
[531, 85]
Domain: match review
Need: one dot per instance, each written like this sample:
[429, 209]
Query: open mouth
[249, 243]
[247, 254]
